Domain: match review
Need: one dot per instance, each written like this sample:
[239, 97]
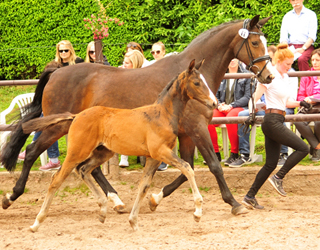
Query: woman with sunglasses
[65, 55]
[91, 55]
[158, 51]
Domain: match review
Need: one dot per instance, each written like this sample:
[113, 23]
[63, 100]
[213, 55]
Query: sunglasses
[155, 52]
[92, 52]
[131, 45]
[64, 51]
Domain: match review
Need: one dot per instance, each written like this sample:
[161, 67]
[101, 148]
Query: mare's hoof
[120, 209]
[196, 218]
[239, 210]
[153, 204]
[6, 202]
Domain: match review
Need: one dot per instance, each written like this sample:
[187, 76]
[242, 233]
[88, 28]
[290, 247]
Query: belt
[276, 111]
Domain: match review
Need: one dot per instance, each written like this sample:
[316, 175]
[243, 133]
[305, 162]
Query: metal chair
[21, 101]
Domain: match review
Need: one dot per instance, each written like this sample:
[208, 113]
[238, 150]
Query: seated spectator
[91, 55]
[310, 88]
[65, 55]
[136, 46]
[233, 96]
[132, 60]
[158, 51]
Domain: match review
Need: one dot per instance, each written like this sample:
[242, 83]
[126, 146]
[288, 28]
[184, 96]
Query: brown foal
[97, 133]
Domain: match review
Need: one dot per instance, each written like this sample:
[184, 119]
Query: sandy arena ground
[290, 222]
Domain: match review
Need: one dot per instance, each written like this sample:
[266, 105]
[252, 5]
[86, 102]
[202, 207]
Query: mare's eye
[255, 43]
[197, 83]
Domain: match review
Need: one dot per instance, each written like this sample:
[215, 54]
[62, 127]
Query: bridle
[244, 33]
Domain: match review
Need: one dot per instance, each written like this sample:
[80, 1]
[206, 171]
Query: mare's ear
[199, 64]
[191, 65]
[254, 22]
[263, 21]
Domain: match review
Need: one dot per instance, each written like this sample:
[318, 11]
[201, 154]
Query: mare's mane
[211, 32]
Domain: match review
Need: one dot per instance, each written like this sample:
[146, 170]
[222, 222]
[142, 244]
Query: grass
[7, 93]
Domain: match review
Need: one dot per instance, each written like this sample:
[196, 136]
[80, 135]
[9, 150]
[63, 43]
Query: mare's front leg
[148, 173]
[33, 151]
[198, 131]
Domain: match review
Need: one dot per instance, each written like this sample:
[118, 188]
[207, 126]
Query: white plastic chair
[21, 101]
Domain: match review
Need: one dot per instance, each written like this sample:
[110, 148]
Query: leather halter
[251, 59]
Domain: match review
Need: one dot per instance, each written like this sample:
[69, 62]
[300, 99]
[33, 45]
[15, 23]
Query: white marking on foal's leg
[155, 200]
[117, 202]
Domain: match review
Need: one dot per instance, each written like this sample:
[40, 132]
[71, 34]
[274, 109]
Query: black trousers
[307, 133]
[276, 134]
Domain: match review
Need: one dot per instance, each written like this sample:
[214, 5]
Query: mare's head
[249, 48]
[193, 87]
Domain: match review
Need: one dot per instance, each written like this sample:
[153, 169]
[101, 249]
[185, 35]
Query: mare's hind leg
[112, 194]
[56, 182]
[148, 173]
[33, 151]
[99, 155]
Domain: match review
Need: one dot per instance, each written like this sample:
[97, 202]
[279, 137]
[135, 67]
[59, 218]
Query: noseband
[244, 33]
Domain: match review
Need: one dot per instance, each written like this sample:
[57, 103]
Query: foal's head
[193, 87]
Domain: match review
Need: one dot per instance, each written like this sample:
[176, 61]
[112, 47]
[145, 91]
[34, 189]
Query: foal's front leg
[148, 173]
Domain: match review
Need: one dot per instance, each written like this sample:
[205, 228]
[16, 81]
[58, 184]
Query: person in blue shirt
[299, 28]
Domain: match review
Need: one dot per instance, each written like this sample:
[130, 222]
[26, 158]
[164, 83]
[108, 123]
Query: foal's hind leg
[99, 155]
[148, 173]
[57, 180]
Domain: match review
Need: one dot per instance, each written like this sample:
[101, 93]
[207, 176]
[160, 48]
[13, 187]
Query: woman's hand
[308, 100]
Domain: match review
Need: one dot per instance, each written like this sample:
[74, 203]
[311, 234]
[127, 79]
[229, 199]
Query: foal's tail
[10, 151]
[42, 123]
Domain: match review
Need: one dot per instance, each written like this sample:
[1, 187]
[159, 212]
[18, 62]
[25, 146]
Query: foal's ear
[199, 64]
[263, 21]
[191, 65]
[254, 22]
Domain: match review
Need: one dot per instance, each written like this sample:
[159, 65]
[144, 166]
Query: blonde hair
[88, 58]
[283, 52]
[73, 56]
[136, 58]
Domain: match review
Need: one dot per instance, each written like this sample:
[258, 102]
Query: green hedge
[30, 29]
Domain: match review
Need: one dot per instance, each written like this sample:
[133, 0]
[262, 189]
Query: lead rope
[246, 126]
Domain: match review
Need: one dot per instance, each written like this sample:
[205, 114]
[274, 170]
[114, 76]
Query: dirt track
[286, 223]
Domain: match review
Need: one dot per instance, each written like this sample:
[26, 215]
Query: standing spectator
[299, 28]
[65, 55]
[277, 99]
[91, 55]
[310, 88]
[233, 97]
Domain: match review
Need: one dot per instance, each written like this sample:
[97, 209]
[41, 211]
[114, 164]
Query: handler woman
[277, 99]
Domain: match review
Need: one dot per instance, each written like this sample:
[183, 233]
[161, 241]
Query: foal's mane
[211, 32]
[168, 87]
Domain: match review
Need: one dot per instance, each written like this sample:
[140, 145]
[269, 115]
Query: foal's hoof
[6, 202]
[196, 218]
[102, 218]
[239, 210]
[120, 209]
[134, 225]
[153, 204]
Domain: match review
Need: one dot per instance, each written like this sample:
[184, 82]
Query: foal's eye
[255, 43]
[197, 83]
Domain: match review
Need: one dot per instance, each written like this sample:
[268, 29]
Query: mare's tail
[10, 151]
[42, 123]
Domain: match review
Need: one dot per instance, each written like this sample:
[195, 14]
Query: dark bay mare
[78, 87]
